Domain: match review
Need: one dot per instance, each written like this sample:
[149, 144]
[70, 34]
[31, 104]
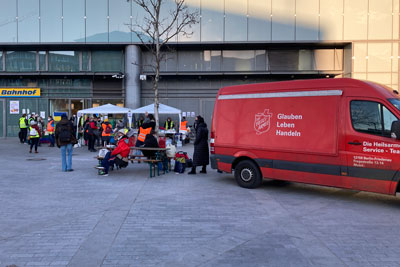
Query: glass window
[120, 21]
[379, 57]
[85, 60]
[395, 78]
[148, 62]
[171, 61]
[395, 102]
[360, 54]
[107, 61]
[388, 119]
[307, 20]
[259, 20]
[380, 19]
[395, 58]
[283, 60]
[338, 59]
[331, 19]
[96, 21]
[306, 60]
[283, 20]
[355, 19]
[8, 21]
[23, 61]
[382, 78]
[236, 21]
[1, 60]
[324, 59]
[395, 19]
[212, 60]
[50, 20]
[239, 60]
[366, 116]
[64, 61]
[193, 6]
[212, 20]
[42, 60]
[190, 60]
[261, 60]
[168, 8]
[28, 20]
[73, 21]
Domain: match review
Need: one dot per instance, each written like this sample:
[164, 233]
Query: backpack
[65, 135]
[33, 132]
[108, 129]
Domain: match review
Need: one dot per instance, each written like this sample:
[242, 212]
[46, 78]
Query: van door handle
[355, 143]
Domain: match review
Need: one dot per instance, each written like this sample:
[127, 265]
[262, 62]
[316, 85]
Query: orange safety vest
[183, 126]
[50, 128]
[143, 133]
[104, 126]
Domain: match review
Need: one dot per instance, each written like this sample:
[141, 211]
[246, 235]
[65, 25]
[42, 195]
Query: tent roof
[162, 109]
[105, 109]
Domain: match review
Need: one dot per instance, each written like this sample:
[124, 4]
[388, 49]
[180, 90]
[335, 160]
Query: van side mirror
[395, 130]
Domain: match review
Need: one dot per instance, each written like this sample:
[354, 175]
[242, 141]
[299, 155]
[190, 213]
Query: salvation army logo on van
[262, 122]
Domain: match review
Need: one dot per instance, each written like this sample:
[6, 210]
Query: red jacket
[122, 148]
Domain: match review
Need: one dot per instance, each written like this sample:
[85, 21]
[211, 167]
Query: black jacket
[65, 125]
[201, 155]
[150, 141]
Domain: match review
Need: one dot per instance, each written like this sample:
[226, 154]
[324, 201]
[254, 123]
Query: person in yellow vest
[34, 136]
[106, 130]
[169, 124]
[23, 128]
[50, 130]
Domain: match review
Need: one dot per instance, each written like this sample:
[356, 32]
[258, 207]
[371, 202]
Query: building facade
[82, 53]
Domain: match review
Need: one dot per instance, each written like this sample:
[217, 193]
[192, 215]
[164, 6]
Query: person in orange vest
[106, 130]
[145, 129]
[183, 126]
[50, 130]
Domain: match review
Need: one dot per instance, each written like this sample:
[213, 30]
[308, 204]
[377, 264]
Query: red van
[332, 132]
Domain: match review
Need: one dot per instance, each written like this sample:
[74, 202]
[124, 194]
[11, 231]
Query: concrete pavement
[49, 217]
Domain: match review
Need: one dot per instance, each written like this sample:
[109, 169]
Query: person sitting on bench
[119, 155]
[150, 141]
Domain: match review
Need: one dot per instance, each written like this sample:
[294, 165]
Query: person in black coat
[200, 154]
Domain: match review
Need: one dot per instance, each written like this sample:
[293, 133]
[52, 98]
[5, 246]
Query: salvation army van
[332, 132]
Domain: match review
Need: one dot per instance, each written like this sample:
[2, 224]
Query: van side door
[370, 150]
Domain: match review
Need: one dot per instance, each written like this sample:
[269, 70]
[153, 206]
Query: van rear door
[369, 149]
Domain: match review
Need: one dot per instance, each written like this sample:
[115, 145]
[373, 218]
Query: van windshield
[395, 102]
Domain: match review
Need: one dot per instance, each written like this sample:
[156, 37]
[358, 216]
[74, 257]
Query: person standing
[169, 124]
[106, 131]
[23, 128]
[200, 154]
[91, 134]
[65, 139]
[50, 130]
[34, 136]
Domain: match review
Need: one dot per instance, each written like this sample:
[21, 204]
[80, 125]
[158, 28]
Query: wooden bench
[153, 164]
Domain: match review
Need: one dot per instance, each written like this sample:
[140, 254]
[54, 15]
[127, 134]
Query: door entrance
[76, 105]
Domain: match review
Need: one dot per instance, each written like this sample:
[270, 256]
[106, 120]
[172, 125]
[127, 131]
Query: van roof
[347, 85]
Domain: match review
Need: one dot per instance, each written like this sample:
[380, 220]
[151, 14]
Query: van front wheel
[247, 174]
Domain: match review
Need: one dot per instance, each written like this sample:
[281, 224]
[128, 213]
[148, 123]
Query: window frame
[382, 121]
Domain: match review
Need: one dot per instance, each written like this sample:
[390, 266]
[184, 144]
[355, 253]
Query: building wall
[364, 35]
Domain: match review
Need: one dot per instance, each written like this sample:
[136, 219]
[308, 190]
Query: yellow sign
[19, 92]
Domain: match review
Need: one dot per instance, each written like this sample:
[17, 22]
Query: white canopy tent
[107, 109]
[162, 109]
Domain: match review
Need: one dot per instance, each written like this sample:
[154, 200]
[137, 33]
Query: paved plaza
[49, 217]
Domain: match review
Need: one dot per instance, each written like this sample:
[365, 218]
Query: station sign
[19, 92]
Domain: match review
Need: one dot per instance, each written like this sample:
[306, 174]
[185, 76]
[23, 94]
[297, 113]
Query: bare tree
[156, 30]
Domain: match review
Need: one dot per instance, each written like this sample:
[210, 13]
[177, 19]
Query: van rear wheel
[247, 174]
